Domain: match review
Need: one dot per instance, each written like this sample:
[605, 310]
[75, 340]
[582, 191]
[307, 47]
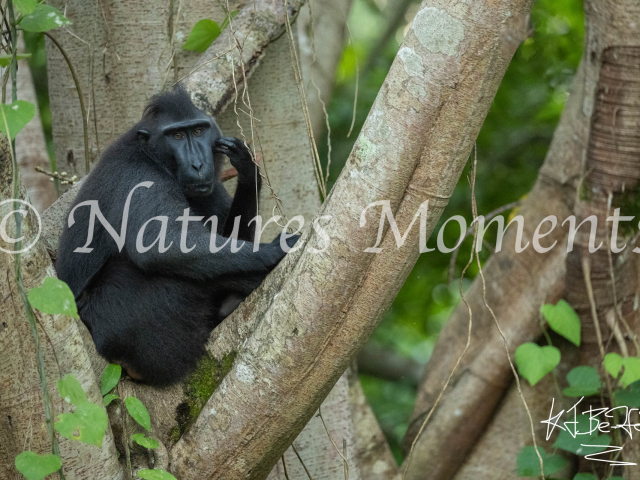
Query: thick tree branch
[412, 149]
[517, 285]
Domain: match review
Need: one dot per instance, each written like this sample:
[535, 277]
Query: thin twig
[300, 458]
[407, 462]
[488, 218]
[344, 457]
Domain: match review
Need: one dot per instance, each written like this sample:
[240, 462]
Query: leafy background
[511, 147]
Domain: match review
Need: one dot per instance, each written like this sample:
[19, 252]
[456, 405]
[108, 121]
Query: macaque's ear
[143, 135]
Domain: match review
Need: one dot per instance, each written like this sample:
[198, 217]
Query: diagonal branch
[412, 148]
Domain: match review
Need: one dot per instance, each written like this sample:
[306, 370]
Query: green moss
[629, 205]
[198, 388]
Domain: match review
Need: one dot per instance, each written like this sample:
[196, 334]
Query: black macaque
[149, 308]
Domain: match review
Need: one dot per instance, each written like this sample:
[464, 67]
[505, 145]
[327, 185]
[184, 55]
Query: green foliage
[567, 442]
[528, 463]
[585, 476]
[202, 35]
[53, 297]
[25, 7]
[631, 372]
[15, 117]
[110, 378]
[138, 412]
[71, 391]
[155, 474]
[392, 403]
[583, 382]
[110, 397]
[613, 364]
[5, 61]
[563, 320]
[43, 19]
[36, 467]
[534, 361]
[629, 396]
[145, 441]
[87, 424]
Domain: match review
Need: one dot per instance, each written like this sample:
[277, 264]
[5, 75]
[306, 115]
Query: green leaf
[534, 362]
[631, 372]
[36, 467]
[43, 18]
[87, 424]
[585, 476]
[574, 445]
[138, 411]
[528, 463]
[225, 22]
[17, 115]
[5, 60]
[630, 396]
[143, 441]
[25, 7]
[71, 390]
[110, 398]
[54, 296]
[563, 320]
[155, 474]
[202, 35]
[613, 364]
[110, 378]
[583, 382]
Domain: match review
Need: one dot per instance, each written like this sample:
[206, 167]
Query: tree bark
[322, 26]
[517, 285]
[603, 286]
[447, 72]
[22, 417]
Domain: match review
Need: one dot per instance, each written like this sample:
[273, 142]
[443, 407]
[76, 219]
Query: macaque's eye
[198, 131]
[178, 135]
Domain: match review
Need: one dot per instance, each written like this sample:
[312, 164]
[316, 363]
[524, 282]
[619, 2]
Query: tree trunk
[302, 344]
[22, 417]
[517, 285]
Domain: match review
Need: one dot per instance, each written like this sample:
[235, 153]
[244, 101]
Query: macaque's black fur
[153, 312]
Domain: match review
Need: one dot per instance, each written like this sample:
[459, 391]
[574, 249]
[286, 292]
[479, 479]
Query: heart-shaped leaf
[87, 424]
[566, 441]
[138, 411]
[528, 463]
[36, 467]
[155, 474]
[25, 7]
[583, 382]
[43, 19]
[71, 390]
[110, 377]
[613, 364]
[563, 320]
[202, 35]
[631, 372]
[54, 297]
[630, 396]
[144, 441]
[110, 397]
[534, 362]
[15, 116]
